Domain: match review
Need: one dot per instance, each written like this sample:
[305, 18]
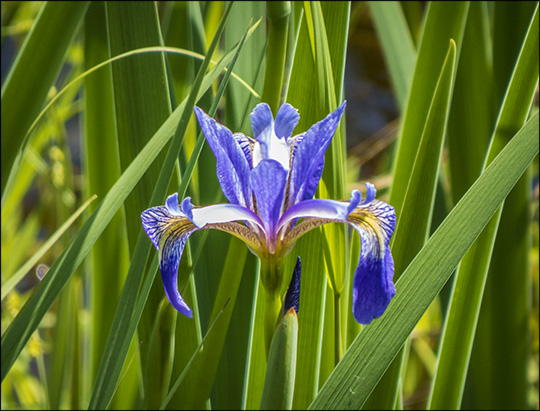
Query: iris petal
[373, 286]
[261, 118]
[313, 182]
[321, 208]
[170, 226]
[246, 144]
[169, 234]
[292, 297]
[268, 182]
[231, 162]
[309, 156]
[286, 120]
[268, 146]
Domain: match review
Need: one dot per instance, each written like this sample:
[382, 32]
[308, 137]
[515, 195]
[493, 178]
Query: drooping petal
[373, 286]
[170, 226]
[268, 182]
[169, 234]
[286, 120]
[231, 162]
[309, 156]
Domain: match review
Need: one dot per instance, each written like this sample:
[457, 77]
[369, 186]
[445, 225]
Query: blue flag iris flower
[270, 181]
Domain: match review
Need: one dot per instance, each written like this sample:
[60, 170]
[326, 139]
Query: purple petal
[321, 208]
[268, 146]
[169, 260]
[313, 182]
[169, 234]
[286, 120]
[309, 156]
[261, 118]
[170, 226]
[231, 162]
[268, 182]
[246, 144]
[292, 298]
[373, 287]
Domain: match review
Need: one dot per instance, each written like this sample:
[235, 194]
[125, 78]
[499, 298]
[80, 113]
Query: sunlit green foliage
[97, 99]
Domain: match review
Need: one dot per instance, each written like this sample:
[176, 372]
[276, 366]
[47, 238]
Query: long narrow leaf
[397, 44]
[101, 166]
[413, 226]
[33, 73]
[119, 339]
[458, 332]
[444, 22]
[16, 336]
[370, 354]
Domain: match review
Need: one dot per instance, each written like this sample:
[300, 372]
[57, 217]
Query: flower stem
[337, 328]
[271, 277]
[272, 308]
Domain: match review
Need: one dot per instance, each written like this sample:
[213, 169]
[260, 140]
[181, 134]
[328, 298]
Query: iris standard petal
[287, 118]
[313, 183]
[267, 144]
[231, 162]
[268, 182]
[261, 119]
[309, 155]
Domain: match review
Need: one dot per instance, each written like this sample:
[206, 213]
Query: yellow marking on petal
[303, 227]
[240, 231]
[176, 228]
[364, 219]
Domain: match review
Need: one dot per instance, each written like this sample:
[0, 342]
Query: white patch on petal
[223, 213]
[269, 146]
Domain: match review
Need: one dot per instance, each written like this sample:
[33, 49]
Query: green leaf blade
[370, 354]
[32, 75]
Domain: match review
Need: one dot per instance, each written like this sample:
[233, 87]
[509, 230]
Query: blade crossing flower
[270, 181]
